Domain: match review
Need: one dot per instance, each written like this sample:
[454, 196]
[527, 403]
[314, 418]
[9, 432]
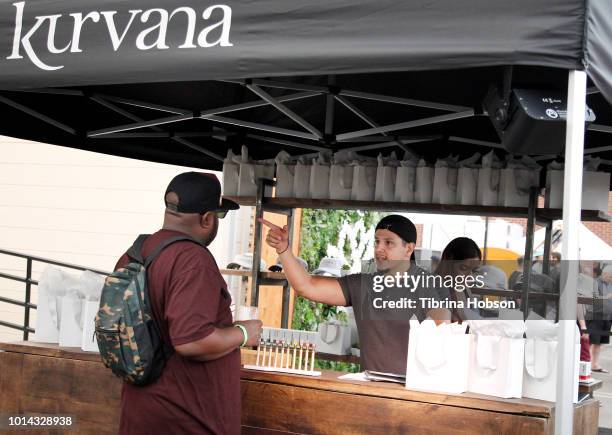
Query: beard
[382, 266]
[213, 234]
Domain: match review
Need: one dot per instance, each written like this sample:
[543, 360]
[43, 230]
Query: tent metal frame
[323, 140]
[376, 136]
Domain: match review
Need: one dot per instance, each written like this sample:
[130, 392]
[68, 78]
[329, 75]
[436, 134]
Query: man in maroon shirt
[199, 389]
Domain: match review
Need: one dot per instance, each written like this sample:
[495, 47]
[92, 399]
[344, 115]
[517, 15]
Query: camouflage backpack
[129, 339]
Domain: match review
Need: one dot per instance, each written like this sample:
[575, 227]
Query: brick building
[603, 230]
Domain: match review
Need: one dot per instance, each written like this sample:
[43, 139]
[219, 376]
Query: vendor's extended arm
[318, 289]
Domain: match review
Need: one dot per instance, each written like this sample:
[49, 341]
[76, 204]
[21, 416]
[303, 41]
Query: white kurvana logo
[154, 31]
[551, 113]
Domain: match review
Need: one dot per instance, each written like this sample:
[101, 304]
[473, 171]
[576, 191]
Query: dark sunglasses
[220, 213]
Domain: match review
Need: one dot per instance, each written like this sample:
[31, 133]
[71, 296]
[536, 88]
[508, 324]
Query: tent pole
[547, 248]
[601, 128]
[285, 110]
[407, 124]
[38, 115]
[287, 142]
[483, 143]
[257, 243]
[329, 109]
[572, 198]
[527, 259]
[485, 248]
[389, 144]
[361, 115]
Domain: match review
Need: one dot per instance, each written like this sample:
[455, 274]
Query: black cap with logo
[399, 225]
[198, 192]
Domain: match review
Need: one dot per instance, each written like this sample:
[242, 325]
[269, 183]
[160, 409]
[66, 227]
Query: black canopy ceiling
[181, 82]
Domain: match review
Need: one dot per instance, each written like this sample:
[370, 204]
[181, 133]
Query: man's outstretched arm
[315, 288]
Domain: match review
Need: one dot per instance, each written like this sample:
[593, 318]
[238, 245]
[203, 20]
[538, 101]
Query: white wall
[78, 207]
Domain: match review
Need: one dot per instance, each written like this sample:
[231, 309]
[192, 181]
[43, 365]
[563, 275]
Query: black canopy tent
[178, 81]
[182, 82]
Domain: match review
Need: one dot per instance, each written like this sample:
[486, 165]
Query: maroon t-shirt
[189, 299]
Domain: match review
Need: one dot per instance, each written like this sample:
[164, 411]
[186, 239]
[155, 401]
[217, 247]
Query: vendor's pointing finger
[269, 224]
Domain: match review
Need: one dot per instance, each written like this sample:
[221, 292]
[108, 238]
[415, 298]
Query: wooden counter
[42, 378]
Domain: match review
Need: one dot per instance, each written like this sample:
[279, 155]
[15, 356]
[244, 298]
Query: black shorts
[599, 331]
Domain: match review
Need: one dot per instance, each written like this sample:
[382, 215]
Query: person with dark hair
[555, 259]
[517, 275]
[383, 333]
[460, 257]
[464, 252]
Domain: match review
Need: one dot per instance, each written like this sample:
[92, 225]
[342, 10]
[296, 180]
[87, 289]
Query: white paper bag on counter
[467, 185]
[405, 184]
[595, 186]
[48, 314]
[467, 180]
[285, 174]
[340, 181]
[90, 285]
[385, 177]
[88, 339]
[595, 191]
[438, 357]
[90, 289]
[341, 175]
[231, 174]
[424, 183]
[445, 181]
[496, 358]
[554, 185]
[71, 325]
[516, 180]
[364, 181]
[301, 181]
[405, 180]
[334, 337]
[250, 173]
[319, 176]
[487, 191]
[541, 350]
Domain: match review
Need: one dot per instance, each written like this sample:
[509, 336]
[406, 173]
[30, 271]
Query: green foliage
[320, 228]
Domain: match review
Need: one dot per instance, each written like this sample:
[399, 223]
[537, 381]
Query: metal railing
[28, 281]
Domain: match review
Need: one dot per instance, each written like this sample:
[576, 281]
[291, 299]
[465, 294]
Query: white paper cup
[246, 313]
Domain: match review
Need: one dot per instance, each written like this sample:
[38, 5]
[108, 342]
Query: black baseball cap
[399, 225]
[198, 192]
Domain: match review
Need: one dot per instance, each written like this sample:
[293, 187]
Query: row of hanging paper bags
[67, 308]
[508, 358]
[346, 175]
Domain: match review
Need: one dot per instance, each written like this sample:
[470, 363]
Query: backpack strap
[149, 259]
[135, 252]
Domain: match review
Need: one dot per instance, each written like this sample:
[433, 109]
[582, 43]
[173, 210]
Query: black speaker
[530, 121]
